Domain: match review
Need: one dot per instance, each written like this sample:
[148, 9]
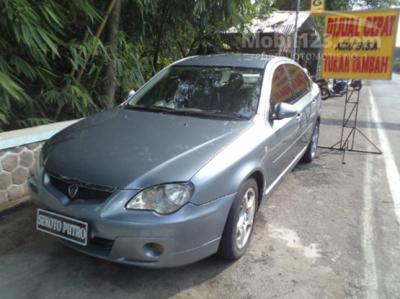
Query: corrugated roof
[282, 22]
[258, 61]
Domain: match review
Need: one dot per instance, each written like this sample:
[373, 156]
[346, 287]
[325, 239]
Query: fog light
[153, 249]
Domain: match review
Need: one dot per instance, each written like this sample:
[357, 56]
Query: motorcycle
[356, 84]
[323, 85]
[338, 88]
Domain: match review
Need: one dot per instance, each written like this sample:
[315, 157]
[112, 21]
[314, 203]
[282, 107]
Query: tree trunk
[99, 31]
[112, 32]
[164, 17]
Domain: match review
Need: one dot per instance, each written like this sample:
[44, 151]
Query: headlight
[163, 199]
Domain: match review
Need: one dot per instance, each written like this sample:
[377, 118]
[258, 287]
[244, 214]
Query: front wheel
[239, 226]
[324, 93]
[311, 151]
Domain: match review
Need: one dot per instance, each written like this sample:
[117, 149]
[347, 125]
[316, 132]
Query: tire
[236, 236]
[311, 151]
[357, 86]
[324, 94]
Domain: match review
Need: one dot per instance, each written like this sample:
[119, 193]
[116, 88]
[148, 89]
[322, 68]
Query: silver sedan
[176, 173]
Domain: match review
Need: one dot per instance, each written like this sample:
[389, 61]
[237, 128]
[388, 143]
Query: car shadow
[362, 124]
[53, 265]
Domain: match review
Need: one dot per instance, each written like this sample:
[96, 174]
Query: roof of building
[282, 22]
[258, 61]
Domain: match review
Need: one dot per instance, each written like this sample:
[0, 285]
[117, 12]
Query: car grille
[84, 191]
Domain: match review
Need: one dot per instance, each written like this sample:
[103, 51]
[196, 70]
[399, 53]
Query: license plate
[64, 227]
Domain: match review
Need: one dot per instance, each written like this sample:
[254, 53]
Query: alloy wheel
[314, 141]
[246, 218]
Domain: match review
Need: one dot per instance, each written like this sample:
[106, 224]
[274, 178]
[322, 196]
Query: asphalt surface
[330, 230]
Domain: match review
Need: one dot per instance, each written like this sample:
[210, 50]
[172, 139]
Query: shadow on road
[24, 250]
[362, 124]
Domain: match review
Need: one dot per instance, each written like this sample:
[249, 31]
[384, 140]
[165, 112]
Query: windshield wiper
[207, 113]
[234, 115]
[150, 108]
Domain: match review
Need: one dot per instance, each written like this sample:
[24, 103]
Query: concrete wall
[19, 150]
[16, 166]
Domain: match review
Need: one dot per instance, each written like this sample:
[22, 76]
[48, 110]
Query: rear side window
[299, 81]
[281, 91]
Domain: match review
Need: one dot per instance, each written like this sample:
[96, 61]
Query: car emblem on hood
[72, 190]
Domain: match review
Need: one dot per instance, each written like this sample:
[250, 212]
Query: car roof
[258, 61]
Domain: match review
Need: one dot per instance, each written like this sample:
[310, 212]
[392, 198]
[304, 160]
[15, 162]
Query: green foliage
[32, 62]
[54, 53]
[305, 5]
[291, 5]
[337, 5]
[380, 3]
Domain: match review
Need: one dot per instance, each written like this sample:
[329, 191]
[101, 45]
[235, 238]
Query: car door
[303, 102]
[281, 145]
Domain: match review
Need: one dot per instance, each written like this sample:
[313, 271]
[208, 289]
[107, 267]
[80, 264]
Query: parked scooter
[336, 89]
[323, 85]
[328, 89]
[356, 84]
[339, 87]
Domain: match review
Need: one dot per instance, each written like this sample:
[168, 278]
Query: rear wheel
[239, 226]
[324, 94]
[311, 151]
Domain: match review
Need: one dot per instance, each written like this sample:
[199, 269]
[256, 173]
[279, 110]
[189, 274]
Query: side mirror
[130, 94]
[284, 110]
[127, 96]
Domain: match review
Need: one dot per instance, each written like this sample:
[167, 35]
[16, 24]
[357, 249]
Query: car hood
[130, 149]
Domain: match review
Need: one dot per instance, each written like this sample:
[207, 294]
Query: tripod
[349, 121]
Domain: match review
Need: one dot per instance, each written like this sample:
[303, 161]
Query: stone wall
[16, 166]
[19, 150]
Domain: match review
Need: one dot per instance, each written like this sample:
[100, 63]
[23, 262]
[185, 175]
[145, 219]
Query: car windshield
[225, 92]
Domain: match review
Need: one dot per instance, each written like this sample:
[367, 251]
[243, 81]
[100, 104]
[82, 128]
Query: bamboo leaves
[54, 56]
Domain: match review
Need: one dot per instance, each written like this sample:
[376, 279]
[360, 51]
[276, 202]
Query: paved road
[328, 231]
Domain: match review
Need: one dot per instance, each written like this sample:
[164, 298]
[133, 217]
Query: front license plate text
[61, 226]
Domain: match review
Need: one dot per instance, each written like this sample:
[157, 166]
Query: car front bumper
[129, 237]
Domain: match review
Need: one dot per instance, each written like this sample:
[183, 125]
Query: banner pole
[294, 48]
